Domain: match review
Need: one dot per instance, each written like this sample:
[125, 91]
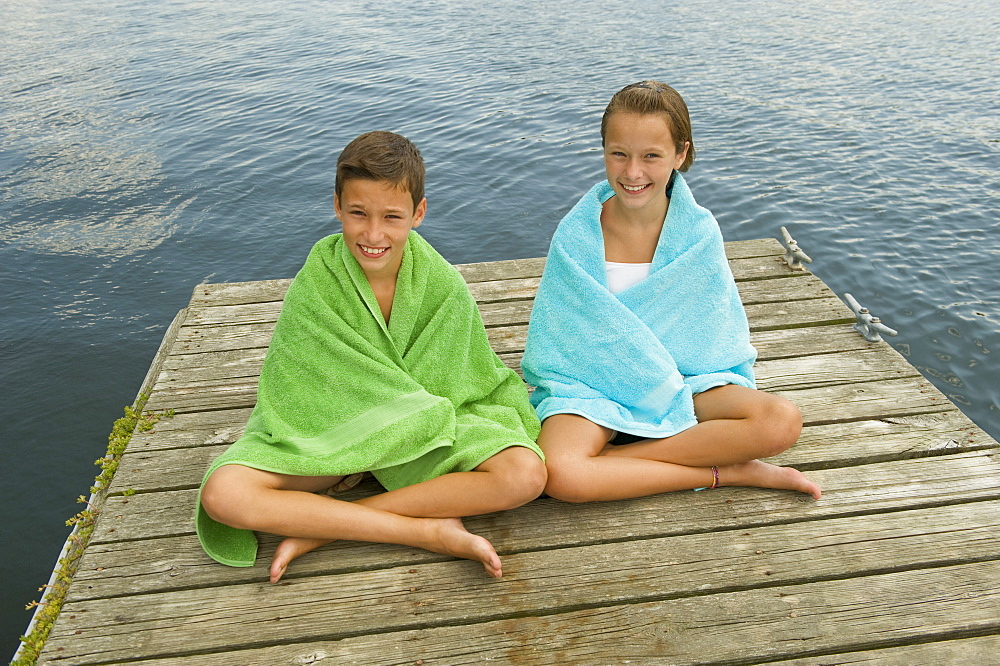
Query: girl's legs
[583, 467]
[735, 424]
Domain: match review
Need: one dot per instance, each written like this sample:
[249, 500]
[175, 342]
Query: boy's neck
[384, 288]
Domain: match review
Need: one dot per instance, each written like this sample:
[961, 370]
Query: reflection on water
[145, 148]
[79, 158]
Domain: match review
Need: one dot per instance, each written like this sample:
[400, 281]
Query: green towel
[340, 392]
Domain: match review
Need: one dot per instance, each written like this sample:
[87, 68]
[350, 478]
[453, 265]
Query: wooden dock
[898, 563]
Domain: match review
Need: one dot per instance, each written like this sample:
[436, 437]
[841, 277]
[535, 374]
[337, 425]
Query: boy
[379, 362]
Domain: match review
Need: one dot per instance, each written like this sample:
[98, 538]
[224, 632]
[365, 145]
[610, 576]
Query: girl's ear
[681, 156]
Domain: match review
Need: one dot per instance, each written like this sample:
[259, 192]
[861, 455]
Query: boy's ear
[418, 214]
[336, 205]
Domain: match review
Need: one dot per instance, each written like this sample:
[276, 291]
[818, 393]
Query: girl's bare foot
[764, 475]
[449, 536]
[288, 550]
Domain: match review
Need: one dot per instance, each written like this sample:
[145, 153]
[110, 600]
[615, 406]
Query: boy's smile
[377, 217]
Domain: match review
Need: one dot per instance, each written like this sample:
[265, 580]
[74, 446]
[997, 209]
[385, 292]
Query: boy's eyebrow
[361, 204]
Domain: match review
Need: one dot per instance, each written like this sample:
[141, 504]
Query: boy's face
[377, 217]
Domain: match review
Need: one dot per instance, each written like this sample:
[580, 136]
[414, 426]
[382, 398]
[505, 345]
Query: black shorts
[626, 438]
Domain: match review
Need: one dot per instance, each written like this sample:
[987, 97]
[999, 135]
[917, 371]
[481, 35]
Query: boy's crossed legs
[425, 515]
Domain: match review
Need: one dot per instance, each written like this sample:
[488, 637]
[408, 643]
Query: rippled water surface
[147, 147]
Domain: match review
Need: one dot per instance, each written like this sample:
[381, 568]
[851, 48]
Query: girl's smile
[640, 155]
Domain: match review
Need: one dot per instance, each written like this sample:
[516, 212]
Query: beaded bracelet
[715, 477]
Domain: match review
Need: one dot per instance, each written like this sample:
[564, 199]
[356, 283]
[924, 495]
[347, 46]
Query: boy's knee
[213, 500]
[218, 498]
[532, 474]
[524, 475]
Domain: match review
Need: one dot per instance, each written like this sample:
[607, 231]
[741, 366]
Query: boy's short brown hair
[382, 156]
[655, 98]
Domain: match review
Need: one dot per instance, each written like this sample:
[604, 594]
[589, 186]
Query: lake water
[147, 147]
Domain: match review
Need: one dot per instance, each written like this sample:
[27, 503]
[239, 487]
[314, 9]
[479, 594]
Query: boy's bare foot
[449, 536]
[765, 475]
[288, 550]
[441, 535]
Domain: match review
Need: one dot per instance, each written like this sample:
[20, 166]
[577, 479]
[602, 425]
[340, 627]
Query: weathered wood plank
[761, 268]
[872, 364]
[229, 363]
[192, 429]
[487, 271]
[873, 400]
[881, 440]
[238, 293]
[796, 288]
[748, 626]
[612, 576]
[740, 627]
[808, 340]
[980, 650]
[885, 486]
[756, 247]
[762, 316]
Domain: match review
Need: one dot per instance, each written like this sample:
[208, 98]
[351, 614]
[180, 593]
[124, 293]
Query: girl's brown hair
[655, 98]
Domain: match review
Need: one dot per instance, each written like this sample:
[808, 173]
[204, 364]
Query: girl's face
[639, 157]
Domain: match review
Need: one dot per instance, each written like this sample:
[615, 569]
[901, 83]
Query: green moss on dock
[83, 525]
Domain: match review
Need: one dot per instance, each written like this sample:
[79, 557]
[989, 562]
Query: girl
[638, 343]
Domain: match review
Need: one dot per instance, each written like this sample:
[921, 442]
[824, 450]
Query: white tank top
[622, 276]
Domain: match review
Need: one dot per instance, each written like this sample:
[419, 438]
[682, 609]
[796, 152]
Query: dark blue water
[147, 147]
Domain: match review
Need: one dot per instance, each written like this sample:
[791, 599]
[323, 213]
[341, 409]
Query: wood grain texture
[542, 583]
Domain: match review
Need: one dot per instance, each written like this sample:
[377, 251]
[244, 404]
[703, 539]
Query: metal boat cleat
[793, 255]
[867, 325]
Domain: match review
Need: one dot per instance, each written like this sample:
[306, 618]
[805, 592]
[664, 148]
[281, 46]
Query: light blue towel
[631, 361]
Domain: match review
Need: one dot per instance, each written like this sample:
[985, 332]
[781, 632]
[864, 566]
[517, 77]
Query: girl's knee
[566, 490]
[781, 424]
[565, 485]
